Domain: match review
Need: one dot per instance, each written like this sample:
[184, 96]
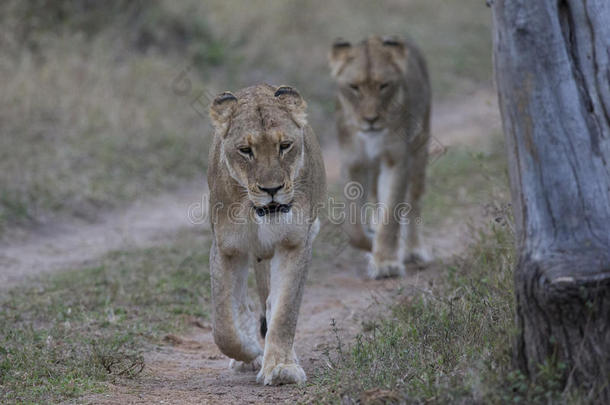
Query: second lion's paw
[378, 269]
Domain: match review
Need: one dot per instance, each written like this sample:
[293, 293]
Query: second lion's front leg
[288, 273]
[384, 260]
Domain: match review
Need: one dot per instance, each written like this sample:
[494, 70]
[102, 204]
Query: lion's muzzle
[272, 208]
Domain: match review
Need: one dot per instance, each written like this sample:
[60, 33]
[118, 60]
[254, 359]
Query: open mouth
[374, 130]
[272, 208]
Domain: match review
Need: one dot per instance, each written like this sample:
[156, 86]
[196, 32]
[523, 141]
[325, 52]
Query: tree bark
[552, 70]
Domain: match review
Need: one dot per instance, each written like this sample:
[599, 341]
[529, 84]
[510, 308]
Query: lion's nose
[371, 119]
[271, 190]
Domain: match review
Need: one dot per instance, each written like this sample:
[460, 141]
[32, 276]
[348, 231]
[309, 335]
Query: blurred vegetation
[66, 334]
[466, 177]
[89, 116]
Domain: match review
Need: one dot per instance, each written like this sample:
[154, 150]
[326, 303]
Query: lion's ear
[293, 101]
[397, 49]
[339, 55]
[221, 110]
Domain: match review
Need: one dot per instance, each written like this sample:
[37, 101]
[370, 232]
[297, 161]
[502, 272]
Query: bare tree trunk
[552, 67]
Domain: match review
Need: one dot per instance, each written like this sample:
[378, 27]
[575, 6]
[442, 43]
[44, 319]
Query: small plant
[118, 356]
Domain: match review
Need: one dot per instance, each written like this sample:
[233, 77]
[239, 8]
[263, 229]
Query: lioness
[383, 122]
[266, 177]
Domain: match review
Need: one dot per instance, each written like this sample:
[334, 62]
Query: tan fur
[383, 122]
[278, 247]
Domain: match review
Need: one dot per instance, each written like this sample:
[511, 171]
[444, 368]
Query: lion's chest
[372, 143]
[262, 235]
[270, 231]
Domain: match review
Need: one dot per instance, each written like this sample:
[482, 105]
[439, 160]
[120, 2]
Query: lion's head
[261, 132]
[370, 76]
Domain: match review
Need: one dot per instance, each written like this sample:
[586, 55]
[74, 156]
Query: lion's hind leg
[261, 273]
[249, 326]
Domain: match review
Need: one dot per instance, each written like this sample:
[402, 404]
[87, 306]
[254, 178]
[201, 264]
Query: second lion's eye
[246, 150]
[384, 86]
[284, 146]
[354, 87]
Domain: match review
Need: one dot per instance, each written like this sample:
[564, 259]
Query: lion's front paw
[282, 373]
[243, 367]
[419, 255]
[385, 268]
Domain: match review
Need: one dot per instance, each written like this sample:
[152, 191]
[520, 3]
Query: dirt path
[189, 369]
[70, 244]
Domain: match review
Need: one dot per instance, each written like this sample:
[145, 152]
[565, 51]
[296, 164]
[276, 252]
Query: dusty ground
[64, 245]
[189, 368]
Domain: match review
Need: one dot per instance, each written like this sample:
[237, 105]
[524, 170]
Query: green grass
[450, 344]
[68, 334]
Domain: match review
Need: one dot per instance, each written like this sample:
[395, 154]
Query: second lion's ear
[293, 101]
[338, 56]
[397, 49]
[221, 110]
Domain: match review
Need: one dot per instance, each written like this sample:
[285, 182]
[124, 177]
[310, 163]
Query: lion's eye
[354, 87]
[284, 146]
[246, 151]
[384, 86]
